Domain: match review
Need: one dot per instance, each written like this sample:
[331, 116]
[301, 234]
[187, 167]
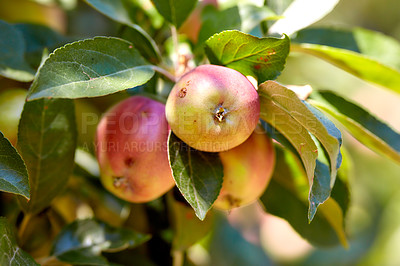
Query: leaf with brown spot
[261, 58]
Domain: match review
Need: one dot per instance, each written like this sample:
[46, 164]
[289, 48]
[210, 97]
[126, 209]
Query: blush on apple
[132, 150]
[247, 171]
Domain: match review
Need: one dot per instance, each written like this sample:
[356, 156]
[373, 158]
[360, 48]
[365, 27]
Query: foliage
[51, 177]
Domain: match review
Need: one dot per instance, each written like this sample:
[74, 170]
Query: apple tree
[133, 146]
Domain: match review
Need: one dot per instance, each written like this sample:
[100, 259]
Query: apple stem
[165, 73]
[220, 114]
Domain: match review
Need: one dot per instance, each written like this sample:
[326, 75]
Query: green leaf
[366, 54]
[118, 10]
[331, 129]
[214, 21]
[357, 64]
[82, 242]
[47, 140]
[321, 187]
[37, 38]
[175, 11]
[279, 137]
[252, 16]
[197, 174]
[334, 215]
[365, 127]
[243, 17]
[286, 197]
[13, 173]
[90, 68]
[12, 52]
[10, 253]
[324, 178]
[281, 108]
[293, 131]
[341, 192]
[312, 120]
[187, 228]
[262, 58]
[300, 14]
[146, 50]
[293, 118]
[372, 44]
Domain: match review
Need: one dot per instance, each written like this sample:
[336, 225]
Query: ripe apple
[247, 171]
[213, 108]
[131, 146]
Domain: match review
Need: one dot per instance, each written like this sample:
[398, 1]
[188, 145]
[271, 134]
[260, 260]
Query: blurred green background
[373, 221]
[251, 238]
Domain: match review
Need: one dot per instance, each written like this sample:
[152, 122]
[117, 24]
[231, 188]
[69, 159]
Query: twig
[165, 73]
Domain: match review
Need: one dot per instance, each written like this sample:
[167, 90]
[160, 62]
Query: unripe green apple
[213, 108]
[131, 145]
[247, 171]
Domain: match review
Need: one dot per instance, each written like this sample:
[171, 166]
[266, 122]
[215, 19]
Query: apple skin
[247, 171]
[131, 146]
[213, 108]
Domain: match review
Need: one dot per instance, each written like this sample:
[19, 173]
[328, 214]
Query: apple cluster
[212, 109]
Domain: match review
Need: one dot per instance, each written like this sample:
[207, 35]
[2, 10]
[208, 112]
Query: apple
[213, 108]
[131, 146]
[247, 171]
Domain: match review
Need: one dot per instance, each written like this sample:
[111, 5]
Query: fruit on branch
[131, 144]
[247, 171]
[213, 108]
